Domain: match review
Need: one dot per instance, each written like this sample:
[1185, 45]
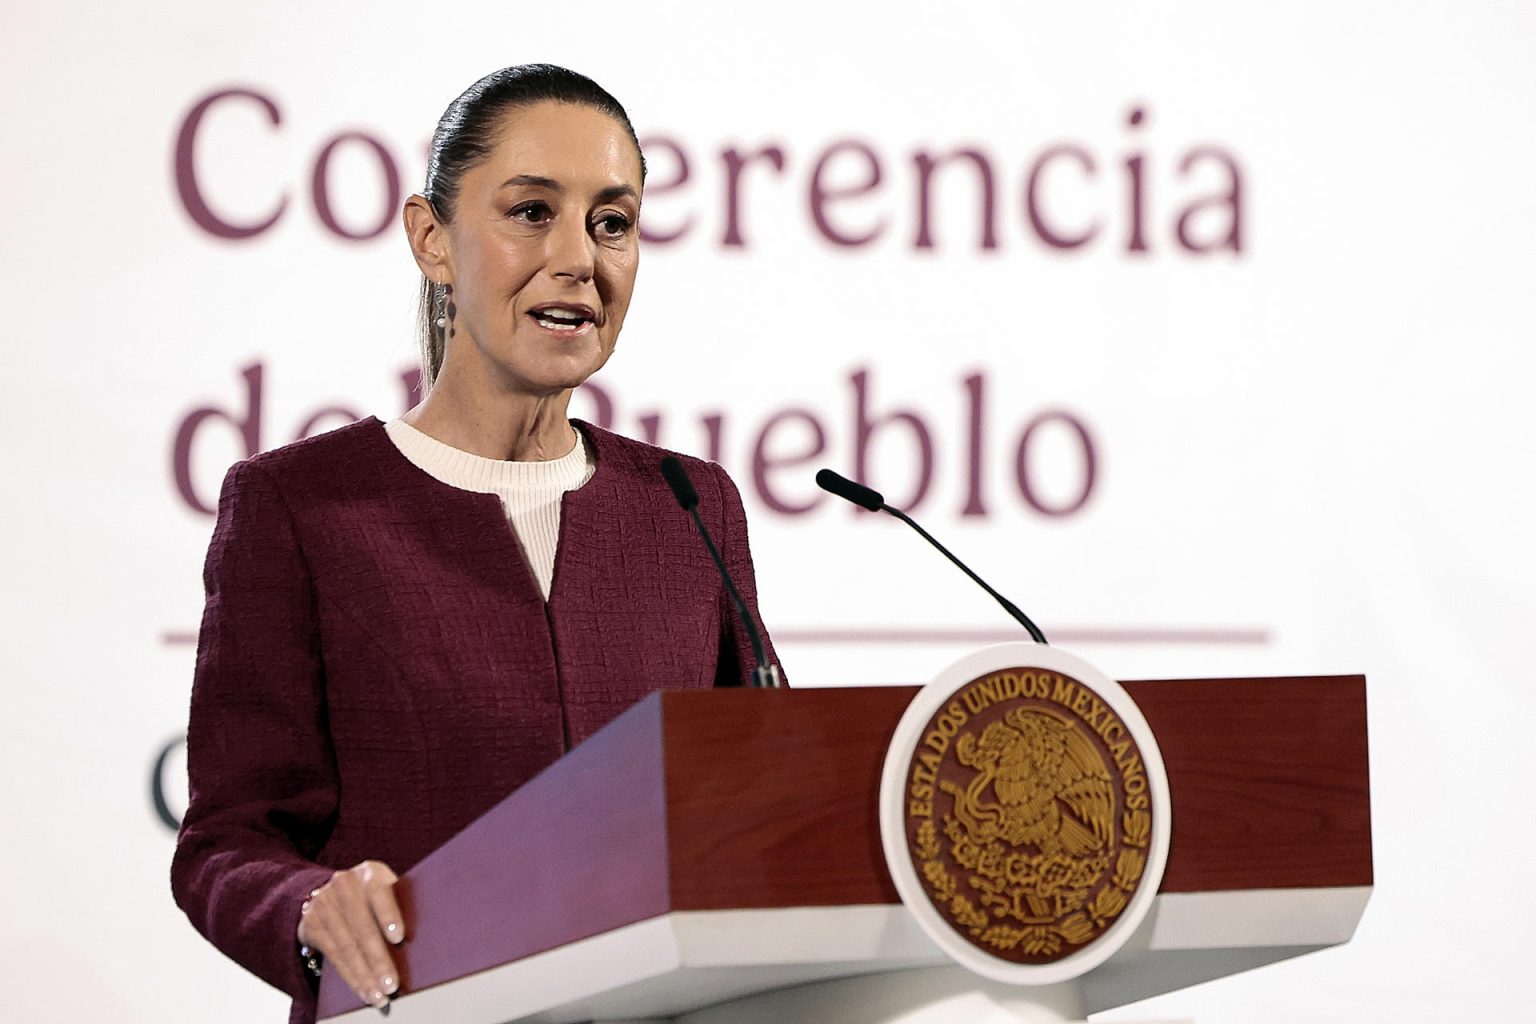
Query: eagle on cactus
[1039, 782]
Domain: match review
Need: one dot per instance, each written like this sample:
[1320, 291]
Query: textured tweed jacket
[377, 666]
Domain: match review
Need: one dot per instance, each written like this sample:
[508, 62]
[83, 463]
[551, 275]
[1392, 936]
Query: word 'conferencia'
[854, 194]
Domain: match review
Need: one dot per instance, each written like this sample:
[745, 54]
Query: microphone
[764, 675]
[868, 497]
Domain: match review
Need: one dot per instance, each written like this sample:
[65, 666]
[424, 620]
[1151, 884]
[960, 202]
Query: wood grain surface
[1270, 781]
[772, 797]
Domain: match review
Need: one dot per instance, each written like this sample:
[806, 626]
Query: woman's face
[544, 248]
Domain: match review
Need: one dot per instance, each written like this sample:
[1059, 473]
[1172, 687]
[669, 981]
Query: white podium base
[863, 965]
[933, 995]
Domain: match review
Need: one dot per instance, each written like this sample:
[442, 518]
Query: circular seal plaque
[1025, 813]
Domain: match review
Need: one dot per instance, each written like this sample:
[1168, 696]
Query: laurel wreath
[1002, 876]
[1138, 828]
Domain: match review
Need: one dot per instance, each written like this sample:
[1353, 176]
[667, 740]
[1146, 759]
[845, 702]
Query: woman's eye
[531, 213]
[613, 225]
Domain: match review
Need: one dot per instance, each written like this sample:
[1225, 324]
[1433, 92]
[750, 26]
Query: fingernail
[393, 932]
[378, 998]
[387, 983]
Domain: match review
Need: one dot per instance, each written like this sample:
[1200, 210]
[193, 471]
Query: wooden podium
[715, 856]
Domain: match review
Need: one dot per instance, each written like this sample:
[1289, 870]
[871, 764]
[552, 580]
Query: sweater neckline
[595, 442]
[470, 472]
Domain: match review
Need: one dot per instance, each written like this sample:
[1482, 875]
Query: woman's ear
[429, 240]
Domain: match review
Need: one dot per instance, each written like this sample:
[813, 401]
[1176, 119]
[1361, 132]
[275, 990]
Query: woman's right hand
[348, 920]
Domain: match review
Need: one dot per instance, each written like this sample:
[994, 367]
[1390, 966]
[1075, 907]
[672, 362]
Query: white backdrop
[1311, 446]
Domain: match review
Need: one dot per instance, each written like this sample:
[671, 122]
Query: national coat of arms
[1028, 814]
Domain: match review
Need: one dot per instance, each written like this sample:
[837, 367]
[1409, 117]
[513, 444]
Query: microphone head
[866, 497]
[677, 479]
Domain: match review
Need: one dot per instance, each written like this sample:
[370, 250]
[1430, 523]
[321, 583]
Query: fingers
[379, 885]
[377, 967]
[348, 919]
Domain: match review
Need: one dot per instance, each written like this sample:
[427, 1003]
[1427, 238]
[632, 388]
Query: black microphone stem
[741, 606]
[764, 674]
[869, 498]
[1008, 606]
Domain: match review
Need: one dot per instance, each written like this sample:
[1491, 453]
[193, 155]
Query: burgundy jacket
[377, 666]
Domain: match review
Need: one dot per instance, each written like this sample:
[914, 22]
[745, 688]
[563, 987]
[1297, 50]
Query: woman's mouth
[568, 321]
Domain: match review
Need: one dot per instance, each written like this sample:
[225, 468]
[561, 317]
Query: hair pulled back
[467, 132]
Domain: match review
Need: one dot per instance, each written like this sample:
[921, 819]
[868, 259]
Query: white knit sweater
[530, 492]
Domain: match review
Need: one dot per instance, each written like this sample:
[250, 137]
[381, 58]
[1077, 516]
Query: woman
[381, 657]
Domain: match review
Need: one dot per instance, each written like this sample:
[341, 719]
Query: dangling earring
[445, 308]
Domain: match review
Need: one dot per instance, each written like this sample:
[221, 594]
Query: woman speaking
[407, 621]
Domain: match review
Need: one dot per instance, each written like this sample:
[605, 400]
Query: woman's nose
[572, 252]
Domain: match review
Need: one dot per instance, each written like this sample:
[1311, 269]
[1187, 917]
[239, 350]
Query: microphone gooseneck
[682, 487]
[868, 498]
[764, 675]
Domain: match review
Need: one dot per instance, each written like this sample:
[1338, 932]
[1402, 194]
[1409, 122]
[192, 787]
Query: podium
[715, 856]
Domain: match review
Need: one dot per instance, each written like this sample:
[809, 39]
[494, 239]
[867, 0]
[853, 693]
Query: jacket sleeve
[734, 667]
[263, 784]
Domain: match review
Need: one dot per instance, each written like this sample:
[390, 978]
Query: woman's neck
[509, 427]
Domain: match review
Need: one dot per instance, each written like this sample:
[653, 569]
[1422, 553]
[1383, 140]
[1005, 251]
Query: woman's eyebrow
[607, 195]
[534, 179]
[613, 192]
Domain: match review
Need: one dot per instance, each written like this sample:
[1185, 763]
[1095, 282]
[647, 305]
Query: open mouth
[563, 319]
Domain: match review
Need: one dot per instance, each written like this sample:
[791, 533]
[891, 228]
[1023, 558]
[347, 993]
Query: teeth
[560, 314]
[559, 323]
